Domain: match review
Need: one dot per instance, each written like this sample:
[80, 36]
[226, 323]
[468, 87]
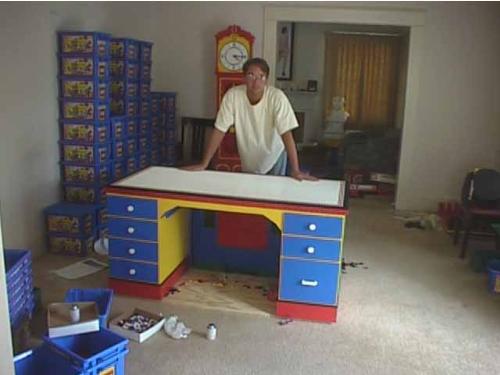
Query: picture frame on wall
[284, 60]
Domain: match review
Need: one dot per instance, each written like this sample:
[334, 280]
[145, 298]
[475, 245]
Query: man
[264, 120]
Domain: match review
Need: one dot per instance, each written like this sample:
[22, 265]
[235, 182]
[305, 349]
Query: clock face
[233, 55]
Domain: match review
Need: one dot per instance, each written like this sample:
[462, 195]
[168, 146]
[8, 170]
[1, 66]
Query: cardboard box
[133, 335]
[59, 319]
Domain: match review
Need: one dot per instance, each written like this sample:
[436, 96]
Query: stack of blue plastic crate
[84, 112]
[124, 70]
[71, 228]
[147, 138]
[165, 118]
[19, 277]
[85, 141]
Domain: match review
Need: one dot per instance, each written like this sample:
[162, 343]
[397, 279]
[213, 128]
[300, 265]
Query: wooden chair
[193, 136]
[480, 202]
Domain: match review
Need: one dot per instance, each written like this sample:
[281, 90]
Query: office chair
[480, 202]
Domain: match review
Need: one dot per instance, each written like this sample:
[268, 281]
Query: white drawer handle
[130, 230]
[312, 227]
[131, 251]
[131, 272]
[130, 208]
[309, 282]
[310, 250]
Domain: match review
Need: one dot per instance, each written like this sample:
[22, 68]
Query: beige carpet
[415, 309]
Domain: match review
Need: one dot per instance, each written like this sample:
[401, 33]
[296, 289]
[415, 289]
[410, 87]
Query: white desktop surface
[278, 189]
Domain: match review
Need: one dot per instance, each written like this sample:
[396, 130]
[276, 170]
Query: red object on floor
[152, 291]
[249, 232]
[302, 311]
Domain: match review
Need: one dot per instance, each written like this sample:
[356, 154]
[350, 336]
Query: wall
[457, 97]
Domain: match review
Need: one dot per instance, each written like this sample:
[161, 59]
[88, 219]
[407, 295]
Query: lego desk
[149, 231]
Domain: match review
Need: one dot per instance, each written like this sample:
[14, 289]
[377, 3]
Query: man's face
[255, 79]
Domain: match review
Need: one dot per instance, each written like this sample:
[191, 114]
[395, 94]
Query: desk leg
[143, 290]
[325, 314]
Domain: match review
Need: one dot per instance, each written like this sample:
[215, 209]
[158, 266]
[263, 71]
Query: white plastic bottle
[75, 313]
[211, 331]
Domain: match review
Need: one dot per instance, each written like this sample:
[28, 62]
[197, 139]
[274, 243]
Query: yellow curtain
[364, 69]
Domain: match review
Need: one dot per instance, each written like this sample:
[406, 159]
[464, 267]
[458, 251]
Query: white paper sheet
[80, 269]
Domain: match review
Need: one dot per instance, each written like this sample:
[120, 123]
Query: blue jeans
[279, 168]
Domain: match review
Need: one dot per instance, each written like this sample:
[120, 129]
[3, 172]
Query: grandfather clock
[234, 47]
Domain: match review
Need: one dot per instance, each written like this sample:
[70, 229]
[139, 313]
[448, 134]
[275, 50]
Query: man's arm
[291, 150]
[214, 141]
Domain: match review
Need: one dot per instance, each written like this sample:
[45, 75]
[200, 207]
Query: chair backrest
[481, 186]
[193, 136]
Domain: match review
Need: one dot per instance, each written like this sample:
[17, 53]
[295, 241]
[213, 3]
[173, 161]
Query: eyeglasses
[253, 77]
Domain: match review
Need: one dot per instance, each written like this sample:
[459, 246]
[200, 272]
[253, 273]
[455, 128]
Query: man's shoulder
[275, 93]
[236, 90]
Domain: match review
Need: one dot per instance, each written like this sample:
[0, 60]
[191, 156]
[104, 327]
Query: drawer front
[308, 225]
[132, 207]
[135, 271]
[308, 281]
[133, 229]
[311, 248]
[133, 250]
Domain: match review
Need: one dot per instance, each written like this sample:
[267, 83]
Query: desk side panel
[173, 238]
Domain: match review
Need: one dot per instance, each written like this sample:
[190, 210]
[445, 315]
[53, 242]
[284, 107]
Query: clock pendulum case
[234, 47]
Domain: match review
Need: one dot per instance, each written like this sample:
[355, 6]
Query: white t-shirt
[258, 127]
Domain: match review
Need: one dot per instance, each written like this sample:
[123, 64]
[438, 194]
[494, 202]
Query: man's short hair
[261, 63]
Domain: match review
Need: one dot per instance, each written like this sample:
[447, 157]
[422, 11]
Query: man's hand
[299, 175]
[194, 167]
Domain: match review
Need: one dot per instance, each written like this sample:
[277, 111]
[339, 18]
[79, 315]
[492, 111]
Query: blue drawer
[311, 248]
[134, 229]
[132, 207]
[133, 250]
[136, 271]
[308, 281]
[308, 225]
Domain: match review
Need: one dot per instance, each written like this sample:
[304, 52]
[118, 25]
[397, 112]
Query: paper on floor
[80, 269]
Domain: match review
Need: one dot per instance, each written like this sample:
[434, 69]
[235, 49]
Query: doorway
[412, 19]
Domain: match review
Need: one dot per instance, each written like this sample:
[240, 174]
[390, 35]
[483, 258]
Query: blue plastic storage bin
[145, 126]
[145, 107]
[70, 245]
[123, 88]
[124, 69]
[494, 275]
[132, 125]
[17, 261]
[124, 48]
[84, 42]
[131, 146]
[145, 71]
[84, 67]
[145, 51]
[143, 160]
[102, 297]
[43, 361]
[130, 165]
[85, 154]
[84, 110]
[118, 169]
[84, 132]
[70, 218]
[124, 107]
[101, 352]
[83, 88]
[143, 143]
[118, 128]
[86, 174]
[118, 150]
[80, 193]
[144, 88]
